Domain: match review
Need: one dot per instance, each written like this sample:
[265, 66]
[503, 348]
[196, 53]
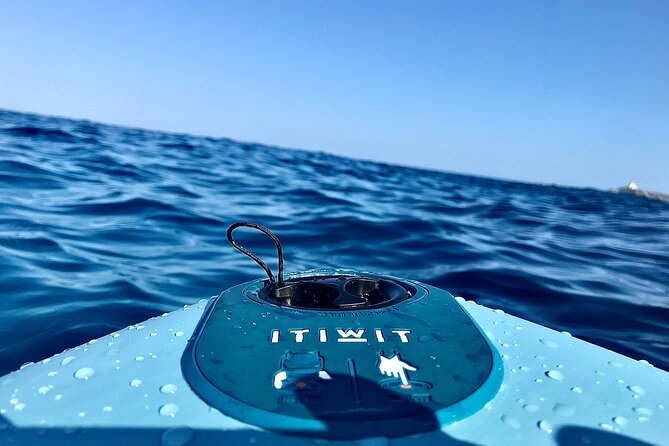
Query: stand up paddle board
[335, 355]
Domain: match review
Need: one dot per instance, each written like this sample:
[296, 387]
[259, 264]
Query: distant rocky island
[633, 189]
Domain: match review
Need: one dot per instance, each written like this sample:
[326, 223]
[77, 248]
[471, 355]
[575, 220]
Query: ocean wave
[104, 226]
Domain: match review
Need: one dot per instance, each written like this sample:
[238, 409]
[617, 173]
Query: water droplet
[107, 409]
[531, 407]
[545, 426]
[540, 357]
[139, 358]
[19, 407]
[52, 373]
[168, 388]
[643, 411]
[637, 390]
[84, 373]
[606, 426]
[538, 380]
[115, 335]
[177, 436]
[58, 397]
[43, 390]
[168, 410]
[13, 401]
[432, 357]
[566, 333]
[498, 311]
[620, 421]
[153, 333]
[524, 368]
[510, 421]
[237, 326]
[564, 410]
[554, 374]
[424, 338]
[181, 333]
[549, 344]
[67, 360]
[615, 364]
[82, 414]
[135, 383]
[25, 364]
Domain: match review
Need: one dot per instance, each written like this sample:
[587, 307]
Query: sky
[566, 92]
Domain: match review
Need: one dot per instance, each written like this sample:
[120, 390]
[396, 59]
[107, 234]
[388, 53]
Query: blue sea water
[104, 226]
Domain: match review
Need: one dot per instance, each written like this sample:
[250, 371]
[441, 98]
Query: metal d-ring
[263, 265]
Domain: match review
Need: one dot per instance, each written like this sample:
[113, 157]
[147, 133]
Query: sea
[104, 226]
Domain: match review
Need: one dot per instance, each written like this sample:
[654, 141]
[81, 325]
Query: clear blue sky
[572, 92]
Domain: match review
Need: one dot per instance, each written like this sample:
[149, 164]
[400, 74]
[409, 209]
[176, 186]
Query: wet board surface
[128, 387]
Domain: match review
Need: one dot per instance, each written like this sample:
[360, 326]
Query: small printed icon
[302, 371]
[395, 367]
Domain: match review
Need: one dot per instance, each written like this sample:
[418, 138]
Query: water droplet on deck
[168, 410]
[531, 407]
[168, 388]
[643, 410]
[19, 407]
[67, 360]
[180, 333]
[564, 410]
[43, 390]
[139, 358]
[577, 390]
[620, 421]
[107, 409]
[545, 426]
[135, 383]
[554, 374]
[84, 373]
[637, 390]
[606, 426]
[549, 344]
[510, 421]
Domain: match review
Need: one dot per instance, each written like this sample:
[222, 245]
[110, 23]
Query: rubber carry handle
[263, 265]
